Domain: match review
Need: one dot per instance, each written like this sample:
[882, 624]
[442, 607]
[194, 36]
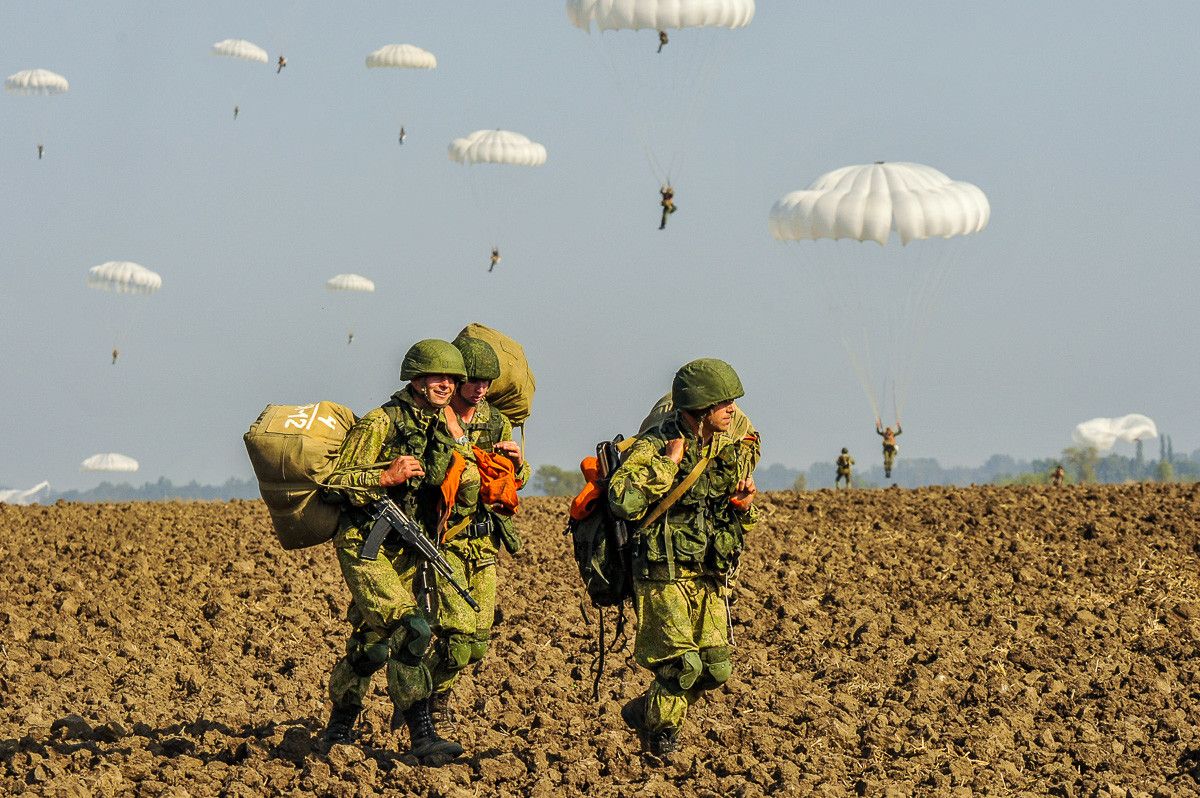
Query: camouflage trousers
[388, 631]
[683, 639]
[461, 635]
[889, 457]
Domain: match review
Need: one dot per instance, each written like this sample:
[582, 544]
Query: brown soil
[937, 641]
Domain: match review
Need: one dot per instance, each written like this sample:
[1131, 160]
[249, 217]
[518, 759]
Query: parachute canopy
[868, 201]
[402, 56]
[110, 461]
[659, 14]
[123, 277]
[240, 48]
[36, 81]
[349, 282]
[28, 496]
[1103, 433]
[497, 146]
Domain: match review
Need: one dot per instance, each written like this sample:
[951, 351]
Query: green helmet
[704, 383]
[479, 358]
[432, 356]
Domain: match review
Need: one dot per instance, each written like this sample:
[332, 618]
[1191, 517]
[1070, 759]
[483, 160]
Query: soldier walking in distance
[688, 486]
[845, 464]
[1056, 478]
[477, 525]
[889, 445]
[414, 435]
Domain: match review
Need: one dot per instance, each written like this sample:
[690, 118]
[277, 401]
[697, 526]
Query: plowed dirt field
[1000, 641]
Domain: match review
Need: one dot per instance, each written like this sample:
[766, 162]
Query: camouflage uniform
[461, 633]
[889, 448]
[388, 627]
[845, 465]
[683, 565]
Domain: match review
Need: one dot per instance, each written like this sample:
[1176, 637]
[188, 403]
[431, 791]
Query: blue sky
[1079, 121]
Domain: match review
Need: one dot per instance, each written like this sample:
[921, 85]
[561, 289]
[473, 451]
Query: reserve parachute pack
[293, 448]
[512, 393]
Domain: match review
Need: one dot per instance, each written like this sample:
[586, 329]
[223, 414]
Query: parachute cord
[662, 176]
[714, 55]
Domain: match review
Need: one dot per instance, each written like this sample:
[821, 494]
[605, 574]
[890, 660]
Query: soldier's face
[473, 391]
[719, 417]
[436, 388]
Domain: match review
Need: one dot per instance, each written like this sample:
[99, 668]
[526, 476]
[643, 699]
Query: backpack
[293, 448]
[512, 393]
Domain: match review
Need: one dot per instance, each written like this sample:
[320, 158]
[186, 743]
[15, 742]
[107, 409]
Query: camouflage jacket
[702, 533]
[397, 428]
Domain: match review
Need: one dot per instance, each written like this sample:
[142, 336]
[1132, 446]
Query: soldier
[495, 258]
[414, 434]
[116, 353]
[689, 486]
[845, 464]
[663, 40]
[889, 445]
[403, 135]
[280, 64]
[668, 205]
[475, 529]
[236, 111]
[1057, 477]
[41, 150]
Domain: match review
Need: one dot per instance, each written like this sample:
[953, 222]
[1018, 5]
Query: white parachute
[123, 277]
[349, 282]
[880, 298]
[664, 57]
[240, 48]
[1103, 433]
[401, 56]
[27, 496]
[109, 461]
[36, 81]
[497, 146]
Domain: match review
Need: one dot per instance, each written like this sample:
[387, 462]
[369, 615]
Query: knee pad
[681, 674]
[717, 666]
[457, 651]
[479, 645]
[409, 643]
[366, 652]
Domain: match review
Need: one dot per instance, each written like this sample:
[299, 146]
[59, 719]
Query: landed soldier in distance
[475, 527]
[685, 554]
[668, 205]
[663, 40]
[845, 464]
[413, 434]
[1056, 478]
[889, 445]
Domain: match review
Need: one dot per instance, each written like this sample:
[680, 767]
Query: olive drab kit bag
[293, 448]
[512, 393]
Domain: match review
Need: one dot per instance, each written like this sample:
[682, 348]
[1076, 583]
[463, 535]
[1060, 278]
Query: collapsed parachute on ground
[867, 202]
[497, 146]
[28, 496]
[659, 14]
[1103, 433]
[109, 461]
[36, 81]
[401, 56]
[349, 282]
[123, 277]
[240, 48]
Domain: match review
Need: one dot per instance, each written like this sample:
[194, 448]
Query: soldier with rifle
[685, 487]
[389, 472]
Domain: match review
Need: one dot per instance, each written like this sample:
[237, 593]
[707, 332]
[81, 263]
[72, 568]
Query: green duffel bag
[512, 394]
[293, 448]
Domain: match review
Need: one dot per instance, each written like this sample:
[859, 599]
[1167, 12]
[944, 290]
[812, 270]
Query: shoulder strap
[676, 494]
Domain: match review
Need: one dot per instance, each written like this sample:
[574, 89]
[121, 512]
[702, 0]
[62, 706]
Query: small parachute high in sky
[109, 461]
[36, 81]
[495, 191]
[240, 48]
[497, 146]
[659, 14]
[349, 283]
[1103, 433]
[123, 277]
[401, 56]
[880, 298]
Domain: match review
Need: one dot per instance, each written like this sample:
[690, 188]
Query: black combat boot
[340, 729]
[665, 741]
[424, 741]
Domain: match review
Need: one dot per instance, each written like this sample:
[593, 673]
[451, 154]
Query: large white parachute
[497, 146]
[401, 56]
[36, 81]
[240, 48]
[349, 282]
[123, 277]
[27, 496]
[659, 14]
[869, 201]
[1103, 433]
[109, 461]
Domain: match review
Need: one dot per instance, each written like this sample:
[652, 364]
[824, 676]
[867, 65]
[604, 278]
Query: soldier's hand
[744, 493]
[511, 450]
[675, 450]
[401, 470]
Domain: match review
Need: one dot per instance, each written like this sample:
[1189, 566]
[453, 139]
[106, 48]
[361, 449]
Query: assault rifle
[388, 516]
